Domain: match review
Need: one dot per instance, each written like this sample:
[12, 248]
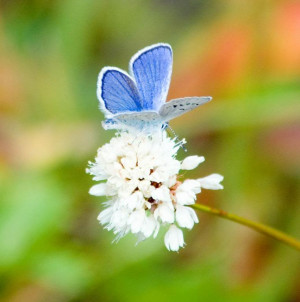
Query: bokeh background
[246, 54]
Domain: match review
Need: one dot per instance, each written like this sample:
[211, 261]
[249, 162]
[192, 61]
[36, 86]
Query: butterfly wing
[151, 68]
[180, 106]
[117, 92]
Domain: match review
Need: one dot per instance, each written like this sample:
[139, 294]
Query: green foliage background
[246, 54]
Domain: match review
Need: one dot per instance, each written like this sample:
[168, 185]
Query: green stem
[273, 233]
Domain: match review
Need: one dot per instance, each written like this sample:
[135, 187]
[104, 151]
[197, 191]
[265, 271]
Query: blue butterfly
[138, 100]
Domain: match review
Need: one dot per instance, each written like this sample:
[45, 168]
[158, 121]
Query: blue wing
[117, 92]
[152, 68]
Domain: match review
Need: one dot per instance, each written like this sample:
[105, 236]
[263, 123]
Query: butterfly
[138, 100]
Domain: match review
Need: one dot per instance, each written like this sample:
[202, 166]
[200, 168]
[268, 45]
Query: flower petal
[185, 217]
[186, 192]
[211, 182]
[174, 238]
[105, 216]
[98, 190]
[191, 162]
[162, 194]
[136, 220]
[149, 226]
[165, 213]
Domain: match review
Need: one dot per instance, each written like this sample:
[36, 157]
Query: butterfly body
[147, 121]
[138, 101]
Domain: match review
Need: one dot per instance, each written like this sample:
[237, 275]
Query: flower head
[139, 175]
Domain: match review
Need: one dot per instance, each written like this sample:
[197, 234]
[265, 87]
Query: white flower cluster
[139, 174]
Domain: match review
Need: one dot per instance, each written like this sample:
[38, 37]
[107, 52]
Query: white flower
[145, 187]
[98, 190]
[211, 182]
[134, 201]
[118, 219]
[192, 162]
[140, 174]
[105, 216]
[162, 194]
[165, 212]
[174, 239]
[186, 217]
[150, 226]
[186, 192]
[136, 220]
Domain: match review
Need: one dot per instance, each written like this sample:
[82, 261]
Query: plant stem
[261, 228]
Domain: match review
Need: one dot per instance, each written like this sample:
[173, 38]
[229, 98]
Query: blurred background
[246, 54]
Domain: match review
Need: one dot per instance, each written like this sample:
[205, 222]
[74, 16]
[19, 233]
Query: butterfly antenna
[181, 143]
[172, 131]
